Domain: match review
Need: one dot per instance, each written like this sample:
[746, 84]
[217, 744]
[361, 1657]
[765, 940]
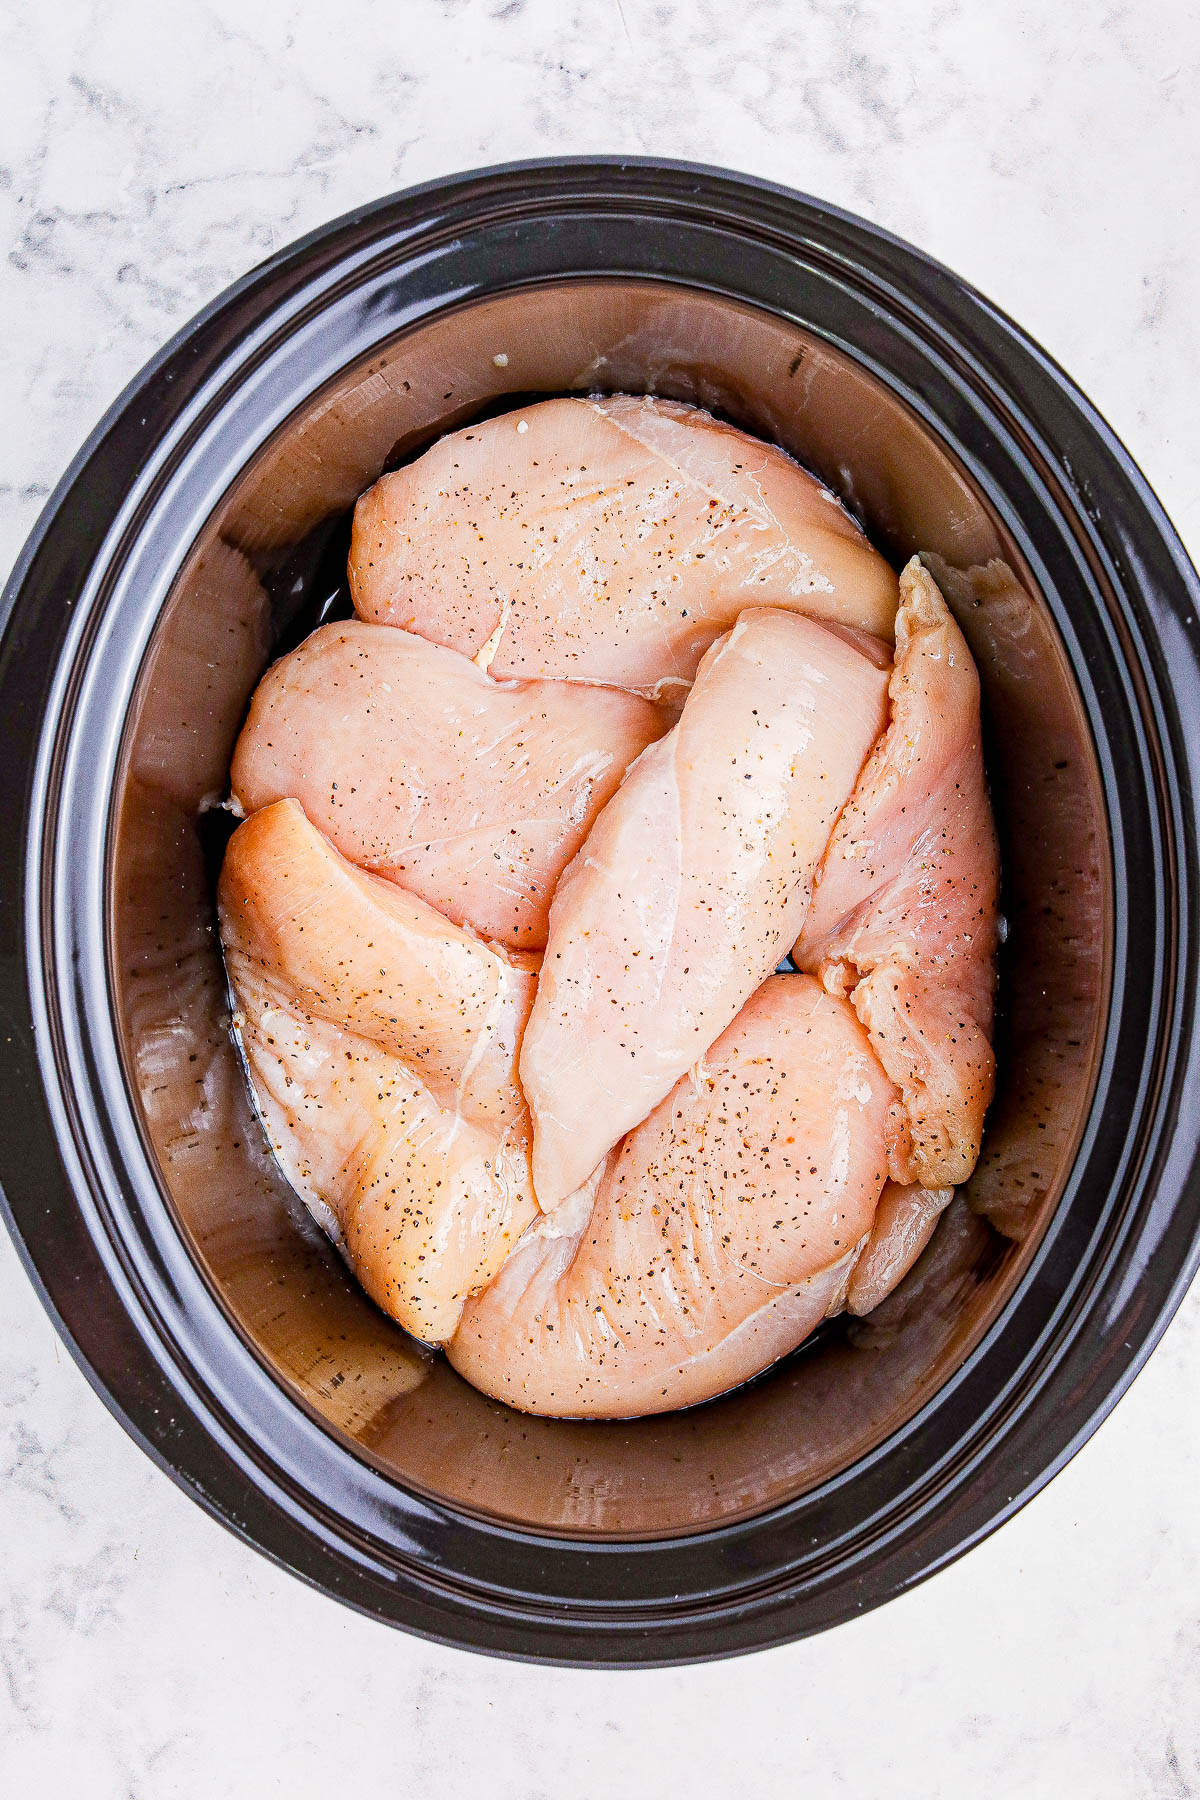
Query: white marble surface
[151, 152]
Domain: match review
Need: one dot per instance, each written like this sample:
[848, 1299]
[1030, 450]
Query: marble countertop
[149, 154]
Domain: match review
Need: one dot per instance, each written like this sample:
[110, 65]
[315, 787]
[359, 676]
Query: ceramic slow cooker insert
[204, 529]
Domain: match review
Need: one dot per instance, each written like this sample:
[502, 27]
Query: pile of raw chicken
[630, 712]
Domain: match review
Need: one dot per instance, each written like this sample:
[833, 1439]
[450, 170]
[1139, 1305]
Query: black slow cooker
[203, 529]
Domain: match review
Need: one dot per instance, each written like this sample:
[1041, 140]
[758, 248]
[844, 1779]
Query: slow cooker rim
[324, 235]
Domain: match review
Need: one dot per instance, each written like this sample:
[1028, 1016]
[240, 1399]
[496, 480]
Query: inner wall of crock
[266, 567]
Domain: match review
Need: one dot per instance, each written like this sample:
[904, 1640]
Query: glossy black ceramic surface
[202, 529]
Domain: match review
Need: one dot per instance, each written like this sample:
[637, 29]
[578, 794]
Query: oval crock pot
[203, 527]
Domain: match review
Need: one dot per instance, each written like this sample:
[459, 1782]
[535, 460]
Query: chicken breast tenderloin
[606, 540]
[472, 793]
[694, 882]
[904, 912]
[905, 1220]
[381, 1044]
[713, 1241]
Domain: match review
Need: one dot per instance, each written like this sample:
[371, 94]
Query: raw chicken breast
[473, 793]
[379, 962]
[905, 1221]
[904, 912]
[381, 1043]
[713, 1241]
[606, 540]
[424, 1205]
[693, 882]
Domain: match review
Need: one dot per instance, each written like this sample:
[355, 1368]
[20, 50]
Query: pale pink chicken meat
[905, 907]
[606, 540]
[381, 1043]
[694, 881]
[720, 1233]
[630, 1175]
[905, 1220]
[472, 793]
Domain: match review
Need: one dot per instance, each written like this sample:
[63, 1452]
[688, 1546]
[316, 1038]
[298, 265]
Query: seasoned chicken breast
[381, 1043]
[472, 793]
[904, 912]
[693, 882]
[713, 1241]
[630, 707]
[606, 540]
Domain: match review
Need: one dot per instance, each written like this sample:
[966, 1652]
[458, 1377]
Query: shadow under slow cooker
[267, 567]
